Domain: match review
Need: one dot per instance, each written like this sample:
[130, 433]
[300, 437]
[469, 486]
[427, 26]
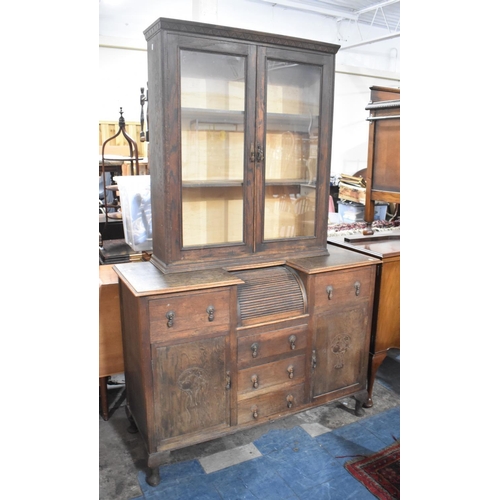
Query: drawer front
[259, 378]
[273, 404]
[255, 349]
[344, 287]
[193, 312]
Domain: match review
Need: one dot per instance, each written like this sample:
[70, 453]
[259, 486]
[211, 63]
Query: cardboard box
[352, 193]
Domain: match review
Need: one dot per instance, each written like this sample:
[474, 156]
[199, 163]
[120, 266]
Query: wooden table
[386, 315]
[110, 332]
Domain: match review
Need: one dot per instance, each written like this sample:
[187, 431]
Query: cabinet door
[191, 389]
[340, 350]
[210, 92]
[292, 146]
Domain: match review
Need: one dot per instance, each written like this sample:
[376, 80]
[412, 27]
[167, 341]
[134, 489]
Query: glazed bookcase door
[212, 92]
[292, 138]
[206, 186]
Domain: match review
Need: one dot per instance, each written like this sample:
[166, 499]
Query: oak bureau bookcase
[243, 314]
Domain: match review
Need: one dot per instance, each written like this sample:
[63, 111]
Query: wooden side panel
[137, 362]
[110, 326]
[388, 309]
[386, 167]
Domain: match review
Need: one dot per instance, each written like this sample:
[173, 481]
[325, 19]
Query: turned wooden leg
[360, 401]
[103, 389]
[375, 362]
[368, 229]
[153, 478]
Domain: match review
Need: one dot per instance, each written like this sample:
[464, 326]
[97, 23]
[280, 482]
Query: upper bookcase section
[240, 145]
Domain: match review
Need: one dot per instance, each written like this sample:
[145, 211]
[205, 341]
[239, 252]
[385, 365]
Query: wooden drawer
[272, 404]
[257, 349]
[258, 378]
[343, 287]
[190, 314]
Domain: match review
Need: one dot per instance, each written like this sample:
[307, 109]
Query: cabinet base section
[157, 459]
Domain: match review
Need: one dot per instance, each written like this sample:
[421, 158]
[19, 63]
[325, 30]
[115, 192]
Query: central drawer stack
[272, 341]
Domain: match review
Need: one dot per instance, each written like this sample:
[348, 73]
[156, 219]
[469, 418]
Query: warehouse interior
[88, 82]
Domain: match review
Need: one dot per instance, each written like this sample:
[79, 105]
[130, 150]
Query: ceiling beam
[310, 8]
[371, 40]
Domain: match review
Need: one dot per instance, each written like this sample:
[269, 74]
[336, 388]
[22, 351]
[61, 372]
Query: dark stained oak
[386, 317]
[222, 337]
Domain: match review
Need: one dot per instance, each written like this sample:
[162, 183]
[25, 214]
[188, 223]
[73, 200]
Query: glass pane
[293, 102]
[212, 117]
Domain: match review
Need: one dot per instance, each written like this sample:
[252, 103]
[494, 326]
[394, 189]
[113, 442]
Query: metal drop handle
[170, 319]
[254, 348]
[211, 313]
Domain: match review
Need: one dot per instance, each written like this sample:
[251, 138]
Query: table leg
[103, 389]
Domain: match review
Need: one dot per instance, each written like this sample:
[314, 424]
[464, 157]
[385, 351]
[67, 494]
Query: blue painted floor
[292, 465]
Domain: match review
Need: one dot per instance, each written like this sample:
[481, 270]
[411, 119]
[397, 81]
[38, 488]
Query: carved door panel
[340, 349]
[191, 389]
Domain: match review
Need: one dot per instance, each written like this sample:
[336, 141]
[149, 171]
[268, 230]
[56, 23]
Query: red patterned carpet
[379, 472]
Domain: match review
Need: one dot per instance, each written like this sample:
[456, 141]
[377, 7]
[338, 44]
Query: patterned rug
[379, 473]
[345, 228]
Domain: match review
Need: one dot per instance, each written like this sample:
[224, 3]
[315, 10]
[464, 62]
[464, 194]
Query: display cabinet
[240, 144]
[243, 314]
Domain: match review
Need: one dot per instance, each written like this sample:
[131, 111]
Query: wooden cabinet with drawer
[209, 352]
[228, 325]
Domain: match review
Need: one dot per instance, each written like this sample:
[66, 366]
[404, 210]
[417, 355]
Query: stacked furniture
[243, 314]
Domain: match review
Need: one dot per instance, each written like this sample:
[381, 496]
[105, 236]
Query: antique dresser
[244, 314]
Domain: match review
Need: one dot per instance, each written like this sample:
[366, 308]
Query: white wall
[123, 65]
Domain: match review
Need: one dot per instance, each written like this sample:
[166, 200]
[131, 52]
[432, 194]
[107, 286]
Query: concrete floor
[122, 456]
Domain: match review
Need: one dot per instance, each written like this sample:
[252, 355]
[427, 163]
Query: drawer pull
[228, 381]
[329, 291]
[254, 347]
[314, 358]
[289, 400]
[357, 287]
[255, 381]
[210, 312]
[170, 317]
[255, 412]
[292, 339]
[290, 371]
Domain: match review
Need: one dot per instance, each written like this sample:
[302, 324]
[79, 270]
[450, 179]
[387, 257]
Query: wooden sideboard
[213, 351]
[110, 332]
[386, 316]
